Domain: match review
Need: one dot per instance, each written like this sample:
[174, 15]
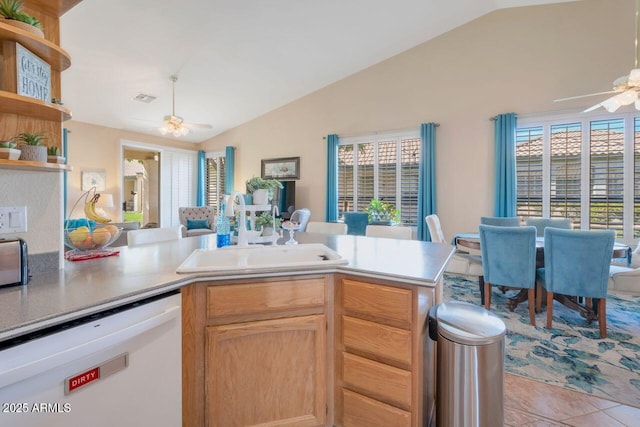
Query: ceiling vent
[143, 97]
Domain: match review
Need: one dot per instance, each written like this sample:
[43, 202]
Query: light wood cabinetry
[21, 113]
[381, 378]
[255, 353]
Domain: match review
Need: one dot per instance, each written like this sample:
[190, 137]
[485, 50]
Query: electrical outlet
[13, 219]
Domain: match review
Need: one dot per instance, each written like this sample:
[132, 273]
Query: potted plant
[8, 150]
[264, 223]
[53, 155]
[11, 11]
[31, 147]
[382, 212]
[262, 189]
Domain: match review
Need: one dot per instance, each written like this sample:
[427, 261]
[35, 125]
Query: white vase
[261, 197]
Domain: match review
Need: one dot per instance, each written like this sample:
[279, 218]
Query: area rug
[571, 354]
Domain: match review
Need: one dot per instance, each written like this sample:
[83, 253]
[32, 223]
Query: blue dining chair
[356, 222]
[509, 259]
[499, 221]
[576, 264]
[541, 223]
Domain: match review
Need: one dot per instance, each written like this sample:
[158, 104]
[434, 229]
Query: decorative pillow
[197, 223]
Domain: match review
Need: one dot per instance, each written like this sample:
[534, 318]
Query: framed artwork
[94, 179]
[286, 168]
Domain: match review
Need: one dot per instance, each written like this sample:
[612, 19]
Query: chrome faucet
[243, 240]
[276, 234]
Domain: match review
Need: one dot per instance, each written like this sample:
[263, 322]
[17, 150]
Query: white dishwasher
[121, 367]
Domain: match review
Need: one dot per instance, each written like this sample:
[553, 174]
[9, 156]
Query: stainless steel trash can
[469, 365]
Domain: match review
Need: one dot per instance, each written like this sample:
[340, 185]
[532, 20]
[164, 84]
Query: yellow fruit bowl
[83, 239]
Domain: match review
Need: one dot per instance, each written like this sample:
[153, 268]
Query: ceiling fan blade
[198, 126]
[585, 96]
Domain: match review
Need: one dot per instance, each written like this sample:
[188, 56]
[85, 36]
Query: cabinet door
[270, 372]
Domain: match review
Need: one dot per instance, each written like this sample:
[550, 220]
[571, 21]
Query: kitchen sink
[258, 258]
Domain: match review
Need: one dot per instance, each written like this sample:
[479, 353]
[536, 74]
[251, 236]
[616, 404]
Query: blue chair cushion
[193, 224]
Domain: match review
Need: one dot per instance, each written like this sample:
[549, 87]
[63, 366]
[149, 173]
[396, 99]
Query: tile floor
[535, 404]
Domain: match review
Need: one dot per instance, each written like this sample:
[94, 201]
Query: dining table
[471, 242]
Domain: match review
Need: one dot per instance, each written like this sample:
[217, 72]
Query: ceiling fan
[174, 124]
[626, 88]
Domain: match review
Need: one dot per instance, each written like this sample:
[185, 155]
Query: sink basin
[257, 258]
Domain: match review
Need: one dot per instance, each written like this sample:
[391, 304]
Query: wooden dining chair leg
[532, 311]
[549, 308]
[538, 297]
[589, 304]
[602, 317]
[481, 286]
[487, 295]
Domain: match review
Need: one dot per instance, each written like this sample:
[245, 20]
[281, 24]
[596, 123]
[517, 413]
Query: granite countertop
[86, 287]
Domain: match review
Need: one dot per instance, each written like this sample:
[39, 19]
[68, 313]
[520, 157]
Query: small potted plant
[31, 147]
[382, 212]
[262, 189]
[53, 155]
[8, 150]
[264, 223]
[11, 11]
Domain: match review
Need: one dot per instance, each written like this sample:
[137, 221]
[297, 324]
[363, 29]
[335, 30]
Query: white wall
[512, 60]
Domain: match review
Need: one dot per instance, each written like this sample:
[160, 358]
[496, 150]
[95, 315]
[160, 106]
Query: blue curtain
[230, 161]
[426, 178]
[505, 173]
[331, 214]
[202, 162]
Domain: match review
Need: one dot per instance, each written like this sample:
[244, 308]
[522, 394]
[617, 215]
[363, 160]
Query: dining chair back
[389, 231]
[326, 227]
[301, 216]
[356, 222]
[500, 221]
[576, 263]
[509, 259]
[435, 230]
[541, 223]
[153, 235]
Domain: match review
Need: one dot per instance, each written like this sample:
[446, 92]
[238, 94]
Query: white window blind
[529, 172]
[566, 162]
[369, 168]
[214, 181]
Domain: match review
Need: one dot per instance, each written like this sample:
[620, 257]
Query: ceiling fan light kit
[173, 124]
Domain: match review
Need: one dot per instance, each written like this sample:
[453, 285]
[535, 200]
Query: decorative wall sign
[287, 168]
[34, 75]
[94, 179]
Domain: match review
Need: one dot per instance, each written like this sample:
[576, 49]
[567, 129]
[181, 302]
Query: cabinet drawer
[360, 411]
[377, 380]
[374, 339]
[377, 302]
[252, 298]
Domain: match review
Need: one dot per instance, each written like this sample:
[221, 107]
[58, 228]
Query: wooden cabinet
[255, 353]
[381, 378]
[21, 113]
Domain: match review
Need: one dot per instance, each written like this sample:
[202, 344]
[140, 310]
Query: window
[214, 179]
[585, 168]
[368, 168]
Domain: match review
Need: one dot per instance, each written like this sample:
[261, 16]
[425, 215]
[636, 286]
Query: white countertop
[86, 287]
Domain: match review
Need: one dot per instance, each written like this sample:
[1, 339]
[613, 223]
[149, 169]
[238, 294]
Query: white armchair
[197, 220]
[625, 279]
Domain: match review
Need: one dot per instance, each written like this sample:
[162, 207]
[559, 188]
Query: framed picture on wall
[96, 179]
[286, 168]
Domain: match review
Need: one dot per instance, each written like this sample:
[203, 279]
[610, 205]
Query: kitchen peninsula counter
[90, 286]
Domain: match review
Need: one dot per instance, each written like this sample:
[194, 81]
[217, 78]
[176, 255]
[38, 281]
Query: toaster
[13, 262]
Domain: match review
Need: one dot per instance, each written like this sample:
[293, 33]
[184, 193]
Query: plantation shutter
[606, 183]
[566, 157]
[409, 180]
[345, 179]
[387, 171]
[365, 176]
[636, 178]
[214, 189]
[529, 172]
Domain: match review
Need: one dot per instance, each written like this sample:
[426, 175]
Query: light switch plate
[13, 219]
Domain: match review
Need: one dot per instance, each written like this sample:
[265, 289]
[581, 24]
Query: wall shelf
[35, 166]
[47, 51]
[13, 103]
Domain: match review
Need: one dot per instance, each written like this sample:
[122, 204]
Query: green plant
[382, 211]
[30, 138]
[53, 151]
[257, 183]
[7, 144]
[11, 9]
[265, 219]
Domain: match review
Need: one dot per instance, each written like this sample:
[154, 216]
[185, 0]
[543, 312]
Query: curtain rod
[378, 132]
[494, 118]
